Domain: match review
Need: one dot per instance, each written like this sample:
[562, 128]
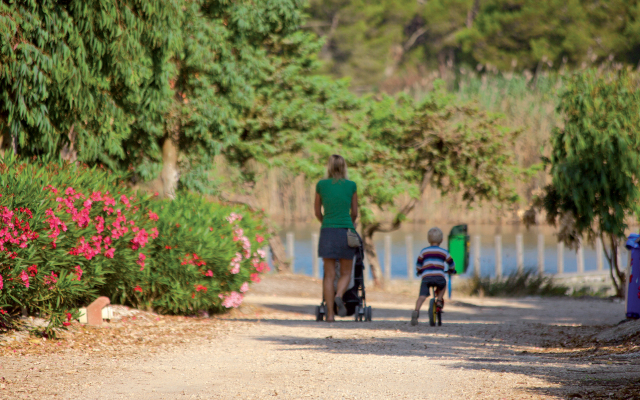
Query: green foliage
[235, 82]
[595, 162]
[174, 276]
[517, 284]
[595, 158]
[366, 39]
[396, 146]
[73, 69]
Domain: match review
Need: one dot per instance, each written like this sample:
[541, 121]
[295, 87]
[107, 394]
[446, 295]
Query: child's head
[434, 236]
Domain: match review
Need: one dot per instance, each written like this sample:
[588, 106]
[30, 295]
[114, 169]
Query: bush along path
[69, 234]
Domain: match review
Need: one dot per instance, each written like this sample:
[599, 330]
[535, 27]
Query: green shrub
[206, 260]
[517, 284]
[70, 233]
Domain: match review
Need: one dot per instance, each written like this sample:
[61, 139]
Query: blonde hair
[337, 167]
[434, 235]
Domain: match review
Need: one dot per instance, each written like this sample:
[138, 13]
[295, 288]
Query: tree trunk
[370, 229]
[619, 278]
[372, 256]
[68, 152]
[473, 12]
[278, 253]
[170, 173]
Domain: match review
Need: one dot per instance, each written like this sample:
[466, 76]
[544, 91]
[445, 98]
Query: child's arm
[419, 264]
[451, 266]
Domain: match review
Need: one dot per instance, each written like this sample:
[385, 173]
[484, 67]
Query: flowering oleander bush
[204, 262]
[69, 234]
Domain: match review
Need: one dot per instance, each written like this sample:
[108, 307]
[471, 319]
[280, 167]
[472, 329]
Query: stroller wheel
[357, 315]
[319, 313]
[367, 314]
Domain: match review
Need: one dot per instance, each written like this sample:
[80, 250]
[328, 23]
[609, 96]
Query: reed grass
[517, 284]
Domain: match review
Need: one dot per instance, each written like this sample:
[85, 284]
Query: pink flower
[255, 278]
[69, 191]
[79, 272]
[263, 267]
[125, 200]
[208, 273]
[137, 289]
[153, 216]
[96, 196]
[234, 299]
[140, 240]
[201, 288]
[3, 312]
[109, 253]
[244, 287]
[99, 224]
[33, 270]
[259, 239]
[25, 278]
[51, 280]
[141, 258]
[154, 233]
[1, 283]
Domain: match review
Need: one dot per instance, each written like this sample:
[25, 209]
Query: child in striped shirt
[432, 265]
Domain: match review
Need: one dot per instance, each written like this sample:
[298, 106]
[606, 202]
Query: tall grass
[517, 284]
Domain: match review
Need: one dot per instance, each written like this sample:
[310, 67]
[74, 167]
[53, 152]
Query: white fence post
[560, 257]
[315, 268]
[476, 255]
[290, 249]
[498, 256]
[580, 257]
[540, 254]
[519, 253]
[387, 257]
[599, 254]
[410, 264]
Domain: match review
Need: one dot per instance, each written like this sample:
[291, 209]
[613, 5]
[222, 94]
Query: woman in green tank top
[337, 197]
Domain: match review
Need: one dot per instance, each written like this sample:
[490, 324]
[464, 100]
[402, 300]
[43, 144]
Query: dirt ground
[271, 347]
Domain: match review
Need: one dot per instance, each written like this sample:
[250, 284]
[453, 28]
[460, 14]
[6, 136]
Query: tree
[70, 74]
[595, 163]
[527, 34]
[394, 146]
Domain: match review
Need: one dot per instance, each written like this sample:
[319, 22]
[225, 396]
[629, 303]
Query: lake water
[303, 246]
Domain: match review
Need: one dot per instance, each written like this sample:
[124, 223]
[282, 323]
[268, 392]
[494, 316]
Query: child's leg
[440, 293]
[419, 302]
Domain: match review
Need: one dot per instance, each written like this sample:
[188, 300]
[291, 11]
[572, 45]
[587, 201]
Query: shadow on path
[500, 339]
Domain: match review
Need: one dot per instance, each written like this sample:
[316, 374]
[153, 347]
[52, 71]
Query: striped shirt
[434, 261]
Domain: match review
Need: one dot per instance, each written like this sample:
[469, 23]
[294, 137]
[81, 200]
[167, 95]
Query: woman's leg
[329, 277]
[345, 275]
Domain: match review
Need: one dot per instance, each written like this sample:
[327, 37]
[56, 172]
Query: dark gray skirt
[333, 244]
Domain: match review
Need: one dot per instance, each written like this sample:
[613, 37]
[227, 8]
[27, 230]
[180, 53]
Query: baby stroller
[354, 296]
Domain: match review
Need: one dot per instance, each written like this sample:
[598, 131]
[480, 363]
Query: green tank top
[336, 200]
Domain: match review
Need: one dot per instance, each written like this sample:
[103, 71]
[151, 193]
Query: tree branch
[397, 220]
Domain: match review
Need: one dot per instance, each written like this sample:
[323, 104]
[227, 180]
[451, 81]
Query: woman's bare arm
[318, 207]
[354, 207]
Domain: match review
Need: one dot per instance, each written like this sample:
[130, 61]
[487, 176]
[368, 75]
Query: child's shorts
[437, 281]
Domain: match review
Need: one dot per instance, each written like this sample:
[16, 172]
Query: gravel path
[272, 348]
